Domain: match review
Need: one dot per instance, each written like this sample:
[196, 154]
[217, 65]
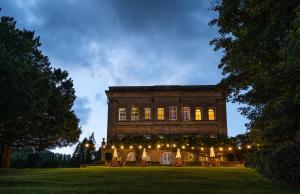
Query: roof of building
[161, 88]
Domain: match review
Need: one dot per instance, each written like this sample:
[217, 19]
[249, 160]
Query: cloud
[117, 42]
[82, 110]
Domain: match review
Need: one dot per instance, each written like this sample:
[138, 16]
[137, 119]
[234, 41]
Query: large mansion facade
[166, 110]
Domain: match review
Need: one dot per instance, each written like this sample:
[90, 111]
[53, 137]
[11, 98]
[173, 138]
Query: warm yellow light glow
[258, 145]
[198, 114]
[149, 146]
[248, 146]
[140, 147]
[158, 146]
[147, 113]
[160, 114]
[211, 114]
[168, 145]
[183, 147]
[221, 149]
[131, 147]
[104, 146]
[202, 148]
[230, 148]
[122, 147]
[113, 147]
[239, 147]
[193, 148]
[174, 145]
[86, 145]
[134, 114]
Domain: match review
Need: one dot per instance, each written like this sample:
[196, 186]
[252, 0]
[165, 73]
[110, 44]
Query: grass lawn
[152, 180]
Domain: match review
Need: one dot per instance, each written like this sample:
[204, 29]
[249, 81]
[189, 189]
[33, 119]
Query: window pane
[172, 113]
[186, 113]
[122, 114]
[160, 114]
[147, 113]
[211, 114]
[198, 114]
[134, 114]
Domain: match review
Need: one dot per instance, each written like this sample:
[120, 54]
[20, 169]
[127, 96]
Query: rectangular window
[186, 113]
[160, 114]
[122, 114]
[198, 114]
[134, 114]
[173, 113]
[211, 114]
[147, 113]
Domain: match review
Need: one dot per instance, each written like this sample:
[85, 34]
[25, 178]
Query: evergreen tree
[36, 100]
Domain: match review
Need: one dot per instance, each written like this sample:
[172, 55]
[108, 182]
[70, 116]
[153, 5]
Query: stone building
[166, 110]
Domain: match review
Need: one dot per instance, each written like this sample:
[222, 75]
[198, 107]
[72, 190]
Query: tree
[261, 65]
[85, 151]
[36, 100]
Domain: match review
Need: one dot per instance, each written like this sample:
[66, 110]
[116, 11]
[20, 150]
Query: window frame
[135, 117]
[148, 108]
[172, 111]
[214, 112]
[201, 113]
[183, 113]
[122, 117]
[163, 114]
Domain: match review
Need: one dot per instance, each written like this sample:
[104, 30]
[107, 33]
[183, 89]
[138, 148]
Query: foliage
[179, 140]
[261, 68]
[261, 64]
[282, 164]
[36, 100]
[28, 158]
[85, 151]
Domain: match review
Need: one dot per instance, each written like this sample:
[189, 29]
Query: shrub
[18, 163]
[32, 160]
[282, 164]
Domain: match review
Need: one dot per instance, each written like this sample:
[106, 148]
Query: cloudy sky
[124, 42]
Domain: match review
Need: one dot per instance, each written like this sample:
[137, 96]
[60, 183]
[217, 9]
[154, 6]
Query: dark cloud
[174, 18]
[122, 42]
[82, 110]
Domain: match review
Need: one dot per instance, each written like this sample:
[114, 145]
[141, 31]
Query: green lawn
[164, 180]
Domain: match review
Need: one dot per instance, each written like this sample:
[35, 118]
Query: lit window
[122, 114]
[147, 113]
[134, 114]
[211, 114]
[172, 113]
[186, 113]
[160, 114]
[198, 114]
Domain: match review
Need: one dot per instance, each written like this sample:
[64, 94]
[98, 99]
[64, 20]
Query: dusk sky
[105, 43]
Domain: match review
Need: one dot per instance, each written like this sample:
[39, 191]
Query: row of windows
[186, 114]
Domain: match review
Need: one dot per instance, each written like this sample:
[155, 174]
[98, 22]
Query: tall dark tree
[261, 65]
[85, 151]
[36, 100]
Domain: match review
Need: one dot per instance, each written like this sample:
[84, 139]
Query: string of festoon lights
[183, 147]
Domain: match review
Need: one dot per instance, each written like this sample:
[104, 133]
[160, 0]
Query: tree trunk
[5, 155]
